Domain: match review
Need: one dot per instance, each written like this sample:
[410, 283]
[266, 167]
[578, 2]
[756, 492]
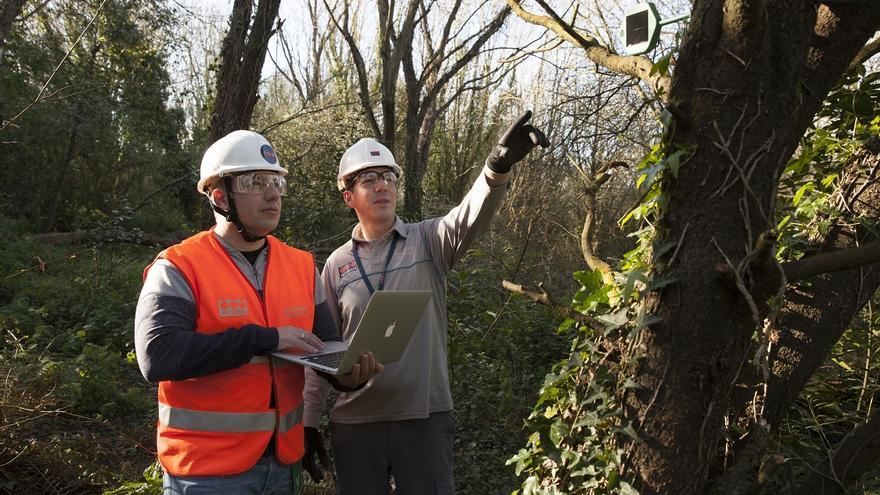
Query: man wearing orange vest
[212, 310]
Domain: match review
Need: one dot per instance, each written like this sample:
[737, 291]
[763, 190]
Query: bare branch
[363, 81]
[9, 122]
[630, 65]
[832, 261]
[544, 298]
[867, 51]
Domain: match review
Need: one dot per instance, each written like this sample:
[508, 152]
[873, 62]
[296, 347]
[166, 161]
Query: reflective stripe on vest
[227, 422]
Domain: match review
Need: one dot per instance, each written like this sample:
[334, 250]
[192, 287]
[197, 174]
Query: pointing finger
[520, 121]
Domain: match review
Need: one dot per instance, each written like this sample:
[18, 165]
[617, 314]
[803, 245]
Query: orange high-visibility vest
[220, 424]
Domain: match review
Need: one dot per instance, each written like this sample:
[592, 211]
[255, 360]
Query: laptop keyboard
[330, 360]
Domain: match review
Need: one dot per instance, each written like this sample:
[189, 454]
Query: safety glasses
[369, 178]
[257, 182]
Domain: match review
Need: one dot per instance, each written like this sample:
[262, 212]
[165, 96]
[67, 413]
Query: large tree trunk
[242, 56]
[813, 319]
[742, 101]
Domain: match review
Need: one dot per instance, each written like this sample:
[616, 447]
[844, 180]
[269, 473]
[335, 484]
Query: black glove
[515, 144]
[314, 444]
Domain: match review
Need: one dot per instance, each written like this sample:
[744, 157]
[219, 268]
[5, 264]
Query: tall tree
[92, 76]
[241, 63]
[438, 30]
[747, 83]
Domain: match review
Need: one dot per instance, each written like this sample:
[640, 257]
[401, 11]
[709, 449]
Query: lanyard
[357, 259]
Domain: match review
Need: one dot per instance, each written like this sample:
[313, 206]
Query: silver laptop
[385, 329]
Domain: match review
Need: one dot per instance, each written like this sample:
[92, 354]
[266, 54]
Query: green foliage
[809, 182]
[499, 351]
[841, 394]
[152, 484]
[101, 135]
[98, 388]
[61, 299]
[579, 430]
[578, 427]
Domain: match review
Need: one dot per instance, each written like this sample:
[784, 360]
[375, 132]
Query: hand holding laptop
[298, 340]
[293, 339]
[364, 368]
[389, 321]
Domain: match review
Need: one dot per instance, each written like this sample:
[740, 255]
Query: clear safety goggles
[370, 178]
[257, 182]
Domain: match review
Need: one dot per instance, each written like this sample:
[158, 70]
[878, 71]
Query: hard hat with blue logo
[236, 152]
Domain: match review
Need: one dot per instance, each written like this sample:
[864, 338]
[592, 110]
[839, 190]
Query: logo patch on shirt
[344, 269]
[232, 307]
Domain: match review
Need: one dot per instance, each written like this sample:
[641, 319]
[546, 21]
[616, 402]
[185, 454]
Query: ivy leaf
[661, 66]
[665, 118]
[614, 320]
[673, 162]
[627, 489]
[782, 223]
[591, 280]
[565, 325]
[829, 179]
[631, 279]
[660, 250]
[630, 432]
[799, 195]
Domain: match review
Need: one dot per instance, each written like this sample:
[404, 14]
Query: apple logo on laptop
[390, 329]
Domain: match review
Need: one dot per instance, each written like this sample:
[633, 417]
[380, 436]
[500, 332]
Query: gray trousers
[417, 452]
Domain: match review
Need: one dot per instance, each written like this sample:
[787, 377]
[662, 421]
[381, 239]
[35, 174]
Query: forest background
[676, 297]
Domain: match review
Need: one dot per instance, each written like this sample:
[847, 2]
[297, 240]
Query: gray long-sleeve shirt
[418, 384]
[169, 348]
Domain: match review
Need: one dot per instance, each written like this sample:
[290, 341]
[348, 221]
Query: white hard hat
[238, 151]
[363, 154]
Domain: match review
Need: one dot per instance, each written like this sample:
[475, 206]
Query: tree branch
[856, 454]
[592, 187]
[544, 298]
[867, 51]
[832, 261]
[363, 80]
[630, 65]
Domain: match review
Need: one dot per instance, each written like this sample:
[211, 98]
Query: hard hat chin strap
[231, 215]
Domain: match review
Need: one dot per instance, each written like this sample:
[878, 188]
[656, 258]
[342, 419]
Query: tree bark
[813, 319]
[740, 86]
[238, 80]
[241, 63]
[8, 12]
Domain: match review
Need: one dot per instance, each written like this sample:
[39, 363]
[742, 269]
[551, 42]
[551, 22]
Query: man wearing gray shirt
[402, 418]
